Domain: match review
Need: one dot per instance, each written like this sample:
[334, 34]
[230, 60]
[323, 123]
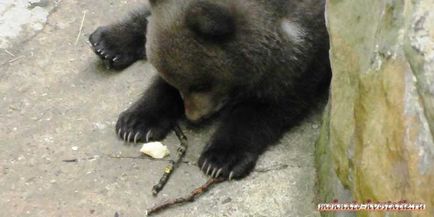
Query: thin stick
[8, 52]
[16, 59]
[81, 28]
[140, 157]
[189, 198]
[144, 157]
[272, 168]
[173, 163]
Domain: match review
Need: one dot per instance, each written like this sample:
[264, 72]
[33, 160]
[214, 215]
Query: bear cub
[260, 64]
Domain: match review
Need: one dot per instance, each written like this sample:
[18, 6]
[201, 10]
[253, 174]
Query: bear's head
[202, 48]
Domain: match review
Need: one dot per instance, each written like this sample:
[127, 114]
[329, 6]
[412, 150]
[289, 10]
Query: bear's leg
[121, 44]
[153, 115]
[245, 132]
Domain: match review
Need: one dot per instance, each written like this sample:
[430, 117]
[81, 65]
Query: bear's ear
[154, 2]
[210, 20]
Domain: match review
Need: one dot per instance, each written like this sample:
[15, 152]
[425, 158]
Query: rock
[22, 19]
[377, 135]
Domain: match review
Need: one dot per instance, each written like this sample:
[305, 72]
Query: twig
[141, 157]
[144, 157]
[76, 160]
[16, 59]
[173, 163]
[189, 198]
[8, 52]
[70, 161]
[272, 168]
[81, 28]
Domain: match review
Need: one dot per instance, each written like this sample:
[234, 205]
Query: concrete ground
[58, 103]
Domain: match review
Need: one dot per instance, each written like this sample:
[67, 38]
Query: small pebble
[227, 200]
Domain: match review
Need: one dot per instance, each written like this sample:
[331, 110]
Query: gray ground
[58, 103]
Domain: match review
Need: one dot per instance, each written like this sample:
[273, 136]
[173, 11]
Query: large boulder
[377, 137]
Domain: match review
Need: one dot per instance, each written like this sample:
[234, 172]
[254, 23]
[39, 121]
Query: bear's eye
[205, 87]
[210, 20]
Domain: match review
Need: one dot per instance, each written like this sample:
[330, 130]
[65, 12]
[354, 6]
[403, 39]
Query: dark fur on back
[262, 64]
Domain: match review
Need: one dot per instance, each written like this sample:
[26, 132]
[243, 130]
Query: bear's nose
[194, 117]
[192, 113]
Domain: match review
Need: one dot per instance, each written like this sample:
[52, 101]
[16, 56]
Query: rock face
[377, 136]
[23, 19]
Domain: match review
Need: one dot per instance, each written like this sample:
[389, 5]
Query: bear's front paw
[137, 126]
[118, 49]
[222, 160]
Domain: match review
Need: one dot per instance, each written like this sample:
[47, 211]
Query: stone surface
[377, 138]
[22, 18]
[58, 103]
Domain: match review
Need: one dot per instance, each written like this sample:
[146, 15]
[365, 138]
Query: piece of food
[155, 149]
